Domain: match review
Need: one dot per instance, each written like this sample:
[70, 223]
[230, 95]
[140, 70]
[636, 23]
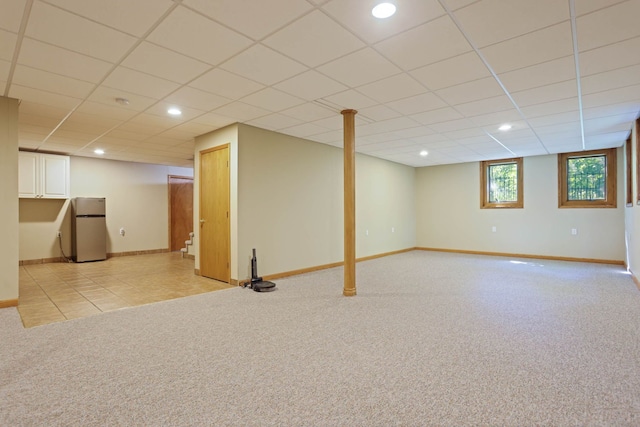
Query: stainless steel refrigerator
[88, 229]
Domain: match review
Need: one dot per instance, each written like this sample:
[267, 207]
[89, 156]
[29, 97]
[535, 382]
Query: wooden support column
[349, 202]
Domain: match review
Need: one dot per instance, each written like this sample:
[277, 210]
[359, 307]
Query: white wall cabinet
[43, 176]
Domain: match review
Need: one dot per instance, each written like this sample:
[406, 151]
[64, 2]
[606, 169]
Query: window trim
[611, 165]
[628, 171]
[484, 185]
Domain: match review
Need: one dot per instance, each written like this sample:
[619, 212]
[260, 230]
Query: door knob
[202, 221]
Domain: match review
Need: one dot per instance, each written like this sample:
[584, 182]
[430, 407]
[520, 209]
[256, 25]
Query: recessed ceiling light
[122, 101]
[383, 10]
[99, 151]
[424, 153]
[174, 111]
[505, 127]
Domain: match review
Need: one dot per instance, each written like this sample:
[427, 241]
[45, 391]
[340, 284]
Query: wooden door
[215, 225]
[180, 211]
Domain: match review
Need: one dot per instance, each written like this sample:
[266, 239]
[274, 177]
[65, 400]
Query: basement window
[587, 179]
[501, 184]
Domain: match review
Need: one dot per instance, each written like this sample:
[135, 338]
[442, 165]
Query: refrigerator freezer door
[89, 206]
[91, 239]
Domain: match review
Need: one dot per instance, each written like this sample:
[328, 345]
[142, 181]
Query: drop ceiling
[439, 75]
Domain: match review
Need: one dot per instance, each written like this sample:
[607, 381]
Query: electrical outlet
[59, 234]
[574, 231]
[122, 231]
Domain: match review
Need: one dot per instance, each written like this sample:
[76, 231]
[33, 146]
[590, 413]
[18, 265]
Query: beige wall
[8, 198]
[449, 215]
[226, 135]
[136, 199]
[290, 203]
[632, 213]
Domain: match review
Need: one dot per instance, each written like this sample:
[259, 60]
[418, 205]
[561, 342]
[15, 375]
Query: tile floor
[56, 292]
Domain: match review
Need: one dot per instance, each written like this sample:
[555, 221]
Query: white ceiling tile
[457, 4]
[452, 125]
[608, 110]
[552, 92]
[417, 104]
[11, 16]
[607, 58]
[449, 72]
[164, 63]
[7, 45]
[608, 80]
[554, 107]
[587, 6]
[570, 129]
[488, 105]
[386, 126]
[43, 97]
[467, 135]
[609, 124]
[139, 83]
[194, 98]
[160, 110]
[356, 15]
[334, 136]
[606, 140]
[555, 119]
[471, 91]
[304, 130]
[5, 67]
[263, 65]
[272, 100]
[133, 17]
[493, 21]
[61, 61]
[107, 96]
[615, 96]
[38, 122]
[127, 135]
[255, 19]
[214, 120]
[436, 116]
[497, 119]
[275, 121]
[537, 75]
[199, 37]
[358, 68]
[378, 112]
[540, 46]
[392, 88]
[609, 25]
[409, 50]
[310, 85]
[313, 40]
[42, 111]
[50, 82]
[52, 25]
[309, 112]
[350, 99]
[114, 111]
[87, 124]
[227, 84]
[241, 112]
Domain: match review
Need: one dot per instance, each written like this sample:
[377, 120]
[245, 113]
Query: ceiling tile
[350, 99]
[497, 119]
[52, 25]
[409, 50]
[378, 112]
[436, 116]
[43, 97]
[87, 124]
[275, 121]
[471, 91]
[555, 119]
[313, 40]
[606, 140]
[612, 97]
[608, 80]
[304, 130]
[356, 15]
[493, 21]
[417, 104]
[542, 74]
[607, 58]
[139, 83]
[7, 45]
[61, 61]
[386, 126]
[613, 109]
[334, 136]
[107, 96]
[164, 63]
[392, 88]
[272, 100]
[255, 19]
[214, 120]
[241, 112]
[552, 92]
[194, 98]
[199, 37]
[227, 84]
[263, 65]
[539, 46]
[11, 16]
[452, 125]
[160, 109]
[50, 82]
[114, 111]
[554, 107]
[5, 67]
[609, 124]
[457, 4]
[42, 111]
[453, 71]
[588, 6]
[358, 68]
[488, 105]
[133, 17]
[609, 25]
[309, 112]
[310, 85]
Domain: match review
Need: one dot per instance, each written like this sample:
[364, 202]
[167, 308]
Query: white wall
[8, 199]
[137, 199]
[449, 215]
[290, 203]
[632, 213]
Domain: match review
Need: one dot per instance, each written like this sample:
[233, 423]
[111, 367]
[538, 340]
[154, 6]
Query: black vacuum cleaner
[257, 284]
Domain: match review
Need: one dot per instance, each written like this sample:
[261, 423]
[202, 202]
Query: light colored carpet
[431, 339]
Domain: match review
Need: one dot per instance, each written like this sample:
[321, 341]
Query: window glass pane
[586, 178]
[503, 183]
